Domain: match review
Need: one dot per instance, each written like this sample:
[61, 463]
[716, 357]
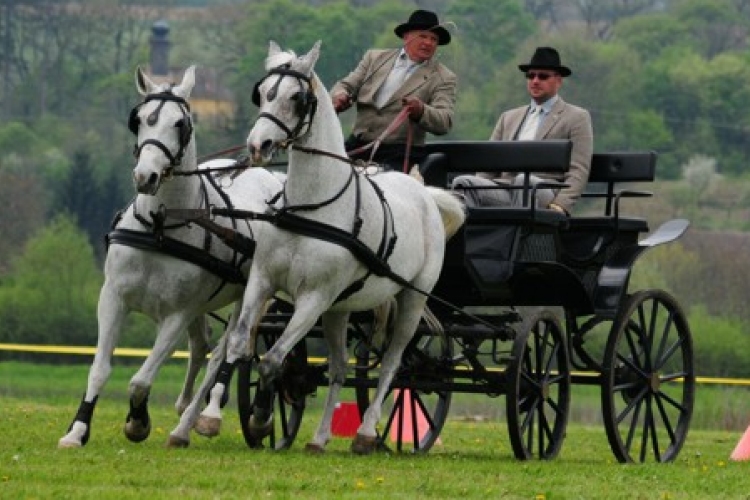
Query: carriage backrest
[446, 158]
[615, 168]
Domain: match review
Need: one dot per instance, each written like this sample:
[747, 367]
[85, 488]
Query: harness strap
[175, 248]
[306, 227]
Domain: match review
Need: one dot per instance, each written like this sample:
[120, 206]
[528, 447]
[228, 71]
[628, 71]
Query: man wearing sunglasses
[547, 116]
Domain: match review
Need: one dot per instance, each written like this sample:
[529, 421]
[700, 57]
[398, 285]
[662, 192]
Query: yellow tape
[130, 352]
[59, 349]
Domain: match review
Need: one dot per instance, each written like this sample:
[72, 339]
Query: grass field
[473, 460]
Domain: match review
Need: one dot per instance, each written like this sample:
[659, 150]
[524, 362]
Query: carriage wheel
[288, 406]
[538, 397]
[648, 382]
[411, 411]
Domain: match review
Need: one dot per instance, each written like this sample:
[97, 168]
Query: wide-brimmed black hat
[546, 58]
[424, 20]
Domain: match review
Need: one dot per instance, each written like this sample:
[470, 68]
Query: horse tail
[452, 210]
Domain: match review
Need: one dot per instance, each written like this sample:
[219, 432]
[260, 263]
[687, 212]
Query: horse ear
[273, 48]
[309, 59]
[142, 82]
[188, 82]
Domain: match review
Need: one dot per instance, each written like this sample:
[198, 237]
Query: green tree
[715, 26]
[487, 35]
[51, 292]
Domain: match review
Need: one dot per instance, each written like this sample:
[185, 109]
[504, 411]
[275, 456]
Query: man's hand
[558, 208]
[414, 105]
[341, 102]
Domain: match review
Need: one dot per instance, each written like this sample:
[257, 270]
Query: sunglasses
[530, 75]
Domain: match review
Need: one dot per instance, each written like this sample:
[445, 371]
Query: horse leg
[306, 313]
[111, 314]
[334, 329]
[410, 306]
[138, 423]
[209, 420]
[180, 435]
[199, 334]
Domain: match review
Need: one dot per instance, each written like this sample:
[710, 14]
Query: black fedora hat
[546, 58]
[424, 20]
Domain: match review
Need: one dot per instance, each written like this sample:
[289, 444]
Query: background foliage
[667, 75]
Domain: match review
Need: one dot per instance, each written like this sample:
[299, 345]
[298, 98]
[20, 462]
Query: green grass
[474, 459]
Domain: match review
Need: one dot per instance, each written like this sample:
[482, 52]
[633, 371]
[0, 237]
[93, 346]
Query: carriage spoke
[664, 417]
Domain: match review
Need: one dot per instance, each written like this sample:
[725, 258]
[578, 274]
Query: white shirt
[402, 68]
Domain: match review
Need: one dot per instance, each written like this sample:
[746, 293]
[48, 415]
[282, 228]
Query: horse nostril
[267, 145]
[153, 179]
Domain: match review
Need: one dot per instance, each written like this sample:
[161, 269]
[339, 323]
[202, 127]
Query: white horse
[176, 293]
[391, 215]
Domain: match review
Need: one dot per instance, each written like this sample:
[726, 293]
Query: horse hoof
[364, 445]
[314, 449]
[208, 426]
[135, 431]
[260, 430]
[68, 444]
[176, 442]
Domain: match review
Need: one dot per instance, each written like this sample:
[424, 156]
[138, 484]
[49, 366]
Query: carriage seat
[497, 242]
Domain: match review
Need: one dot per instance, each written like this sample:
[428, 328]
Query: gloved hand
[414, 105]
[341, 102]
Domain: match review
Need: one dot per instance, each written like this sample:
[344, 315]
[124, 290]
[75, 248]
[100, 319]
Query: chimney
[160, 49]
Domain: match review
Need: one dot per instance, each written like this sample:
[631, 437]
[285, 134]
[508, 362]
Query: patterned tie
[531, 124]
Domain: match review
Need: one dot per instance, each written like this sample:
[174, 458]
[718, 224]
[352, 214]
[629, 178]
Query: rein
[396, 123]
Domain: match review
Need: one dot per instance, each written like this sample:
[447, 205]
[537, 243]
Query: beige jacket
[564, 121]
[432, 82]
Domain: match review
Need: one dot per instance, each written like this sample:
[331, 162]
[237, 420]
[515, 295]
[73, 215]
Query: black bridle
[184, 126]
[305, 106]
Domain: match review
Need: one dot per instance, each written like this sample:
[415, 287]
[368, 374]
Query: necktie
[528, 130]
[395, 78]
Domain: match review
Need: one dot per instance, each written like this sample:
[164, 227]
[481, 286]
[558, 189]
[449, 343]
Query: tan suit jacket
[564, 121]
[432, 82]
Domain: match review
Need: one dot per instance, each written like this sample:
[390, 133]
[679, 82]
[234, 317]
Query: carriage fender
[612, 282]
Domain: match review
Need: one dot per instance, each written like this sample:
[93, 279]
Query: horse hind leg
[334, 329]
[199, 335]
[410, 307]
[179, 437]
[208, 423]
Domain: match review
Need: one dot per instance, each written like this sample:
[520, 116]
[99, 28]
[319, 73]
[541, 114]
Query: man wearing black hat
[387, 81]
[548, 116]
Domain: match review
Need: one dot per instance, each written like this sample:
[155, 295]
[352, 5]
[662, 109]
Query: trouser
[480, 191]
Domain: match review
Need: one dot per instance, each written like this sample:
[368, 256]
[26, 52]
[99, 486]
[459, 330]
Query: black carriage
[521, 294]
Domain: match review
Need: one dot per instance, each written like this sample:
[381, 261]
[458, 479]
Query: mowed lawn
[473, 459]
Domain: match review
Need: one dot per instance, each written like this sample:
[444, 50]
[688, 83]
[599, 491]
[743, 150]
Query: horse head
[163, 129]
[287, 100]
